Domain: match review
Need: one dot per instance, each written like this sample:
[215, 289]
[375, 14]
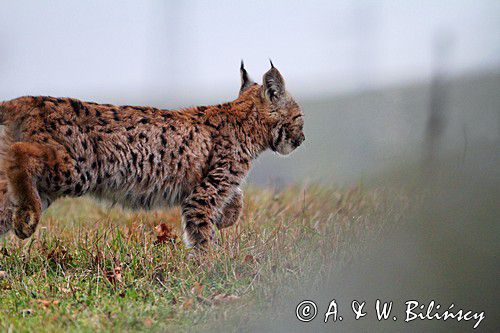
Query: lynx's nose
[297, 142]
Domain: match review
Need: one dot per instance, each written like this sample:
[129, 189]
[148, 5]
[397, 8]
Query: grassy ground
[90, 267]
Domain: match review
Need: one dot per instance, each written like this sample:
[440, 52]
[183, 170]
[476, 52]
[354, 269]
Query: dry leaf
[187, 304]
[3, 275]
[197, 289]
[148, 322]
[118, 273]
[224, 298]
[44, 302]
[165, 234]
[47, 303]
[249, 259]
[5, 286]
[65, 290]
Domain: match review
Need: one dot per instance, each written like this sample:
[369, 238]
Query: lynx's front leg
[204, 207]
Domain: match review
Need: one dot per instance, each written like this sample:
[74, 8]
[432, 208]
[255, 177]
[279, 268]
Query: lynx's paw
[25, 222]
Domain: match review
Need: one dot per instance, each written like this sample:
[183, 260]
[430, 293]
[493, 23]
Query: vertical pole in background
[436, 120]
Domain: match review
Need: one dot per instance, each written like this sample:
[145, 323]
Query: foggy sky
[176, 51]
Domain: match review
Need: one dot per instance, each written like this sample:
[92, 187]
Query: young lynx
[142, 157]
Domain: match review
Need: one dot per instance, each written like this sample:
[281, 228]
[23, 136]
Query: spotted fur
[142, 157]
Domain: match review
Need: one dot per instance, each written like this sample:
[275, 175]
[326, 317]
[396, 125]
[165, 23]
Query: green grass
[90, 267]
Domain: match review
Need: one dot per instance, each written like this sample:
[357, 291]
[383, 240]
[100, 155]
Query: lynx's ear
[246, 82]
[274, 84]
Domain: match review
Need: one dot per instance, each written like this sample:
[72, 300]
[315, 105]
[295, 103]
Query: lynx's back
[123, 153]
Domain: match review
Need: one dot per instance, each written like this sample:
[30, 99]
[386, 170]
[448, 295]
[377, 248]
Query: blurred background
[382, 83]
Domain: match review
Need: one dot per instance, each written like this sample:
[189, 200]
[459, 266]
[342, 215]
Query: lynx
[142, 157]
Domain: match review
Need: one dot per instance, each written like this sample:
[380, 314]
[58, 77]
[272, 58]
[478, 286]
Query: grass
[91, 267]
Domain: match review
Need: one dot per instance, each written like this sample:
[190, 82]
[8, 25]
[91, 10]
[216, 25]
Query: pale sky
[182, 51]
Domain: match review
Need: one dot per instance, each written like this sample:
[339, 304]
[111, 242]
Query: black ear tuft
[246, 82]
[274, 84]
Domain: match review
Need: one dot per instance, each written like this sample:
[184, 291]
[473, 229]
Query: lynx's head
[282, 114]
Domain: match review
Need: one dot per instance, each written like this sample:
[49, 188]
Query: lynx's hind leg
[25, 163]
[231, 211]
[5, 207]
